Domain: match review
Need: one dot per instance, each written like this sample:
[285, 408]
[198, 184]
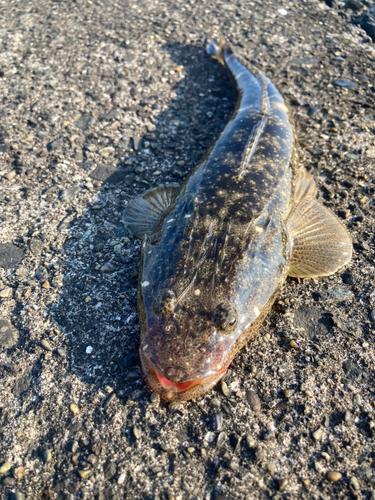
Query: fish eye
[225, 318]
[164, 302]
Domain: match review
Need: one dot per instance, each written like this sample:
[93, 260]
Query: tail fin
[215, 47]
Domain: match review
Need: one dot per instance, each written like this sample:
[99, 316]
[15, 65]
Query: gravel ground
[100, 101]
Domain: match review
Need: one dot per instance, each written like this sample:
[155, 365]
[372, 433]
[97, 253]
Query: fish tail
[216, 47]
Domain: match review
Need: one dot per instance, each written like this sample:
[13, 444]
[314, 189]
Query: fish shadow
[97, 311]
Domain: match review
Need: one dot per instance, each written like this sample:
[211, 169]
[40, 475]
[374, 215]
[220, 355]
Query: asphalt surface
[101, 100]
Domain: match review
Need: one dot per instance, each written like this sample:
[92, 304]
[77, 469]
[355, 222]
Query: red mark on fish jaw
[182, 386]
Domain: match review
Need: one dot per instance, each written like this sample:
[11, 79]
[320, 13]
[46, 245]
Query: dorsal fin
[143, 213]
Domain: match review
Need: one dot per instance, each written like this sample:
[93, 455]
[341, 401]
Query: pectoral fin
[320, 243]
[143, 213]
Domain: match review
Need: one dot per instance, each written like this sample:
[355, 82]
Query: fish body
[217, 249]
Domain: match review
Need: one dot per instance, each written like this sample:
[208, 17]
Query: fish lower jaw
[172, 391]
[179, 386]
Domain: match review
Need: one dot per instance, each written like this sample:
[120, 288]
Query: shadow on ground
[97, 310]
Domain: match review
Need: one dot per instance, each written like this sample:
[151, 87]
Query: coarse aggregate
[101, 100]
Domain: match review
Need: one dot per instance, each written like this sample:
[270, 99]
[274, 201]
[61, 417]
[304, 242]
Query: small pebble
[342, 82]
[121, 479]
[354, 484]
[333, 477]
[137, 433]
[84, 473]
[271, 469]
[6, 293]
[288, 393]
[317, 435]
[46, 345]
[357, 400]
[191, 450]
[108, 268]
[10, 175]
[253, 400]
[154, 398]
[267, 337]
[167, 448]
[221, 439]
[283, 484]
[61, 353]
[19, 472]
[312, 111]
[74, 447]
[233, 464]
[47, 455]
[109, 399]
[74, 408]
[92, 460]
[178, 173]
[235, 387]
[5, 467]
[250, 441]
[293, 344]
[89, 349]
[106, 151]
[306, 483]
[219, 419]
[46, 285]
[347, 416]
[326, 457]
[224, 388]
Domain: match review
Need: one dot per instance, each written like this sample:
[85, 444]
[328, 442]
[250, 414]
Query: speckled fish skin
[223, 243]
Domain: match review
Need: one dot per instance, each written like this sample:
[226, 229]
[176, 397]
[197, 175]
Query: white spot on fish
[144, 284]
[89, 349]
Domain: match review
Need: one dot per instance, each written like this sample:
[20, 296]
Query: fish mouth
[177, 391]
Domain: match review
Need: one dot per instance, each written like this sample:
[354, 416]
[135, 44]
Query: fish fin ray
[216, 46]
[320, 242]
[143, 213]
[305, 186]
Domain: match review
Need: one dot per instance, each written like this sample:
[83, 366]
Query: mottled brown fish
[217, 249]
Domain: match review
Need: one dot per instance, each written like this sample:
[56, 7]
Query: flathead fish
[217, 249]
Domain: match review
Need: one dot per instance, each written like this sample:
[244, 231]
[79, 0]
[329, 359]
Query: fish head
[181, 350]
[194, 323]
